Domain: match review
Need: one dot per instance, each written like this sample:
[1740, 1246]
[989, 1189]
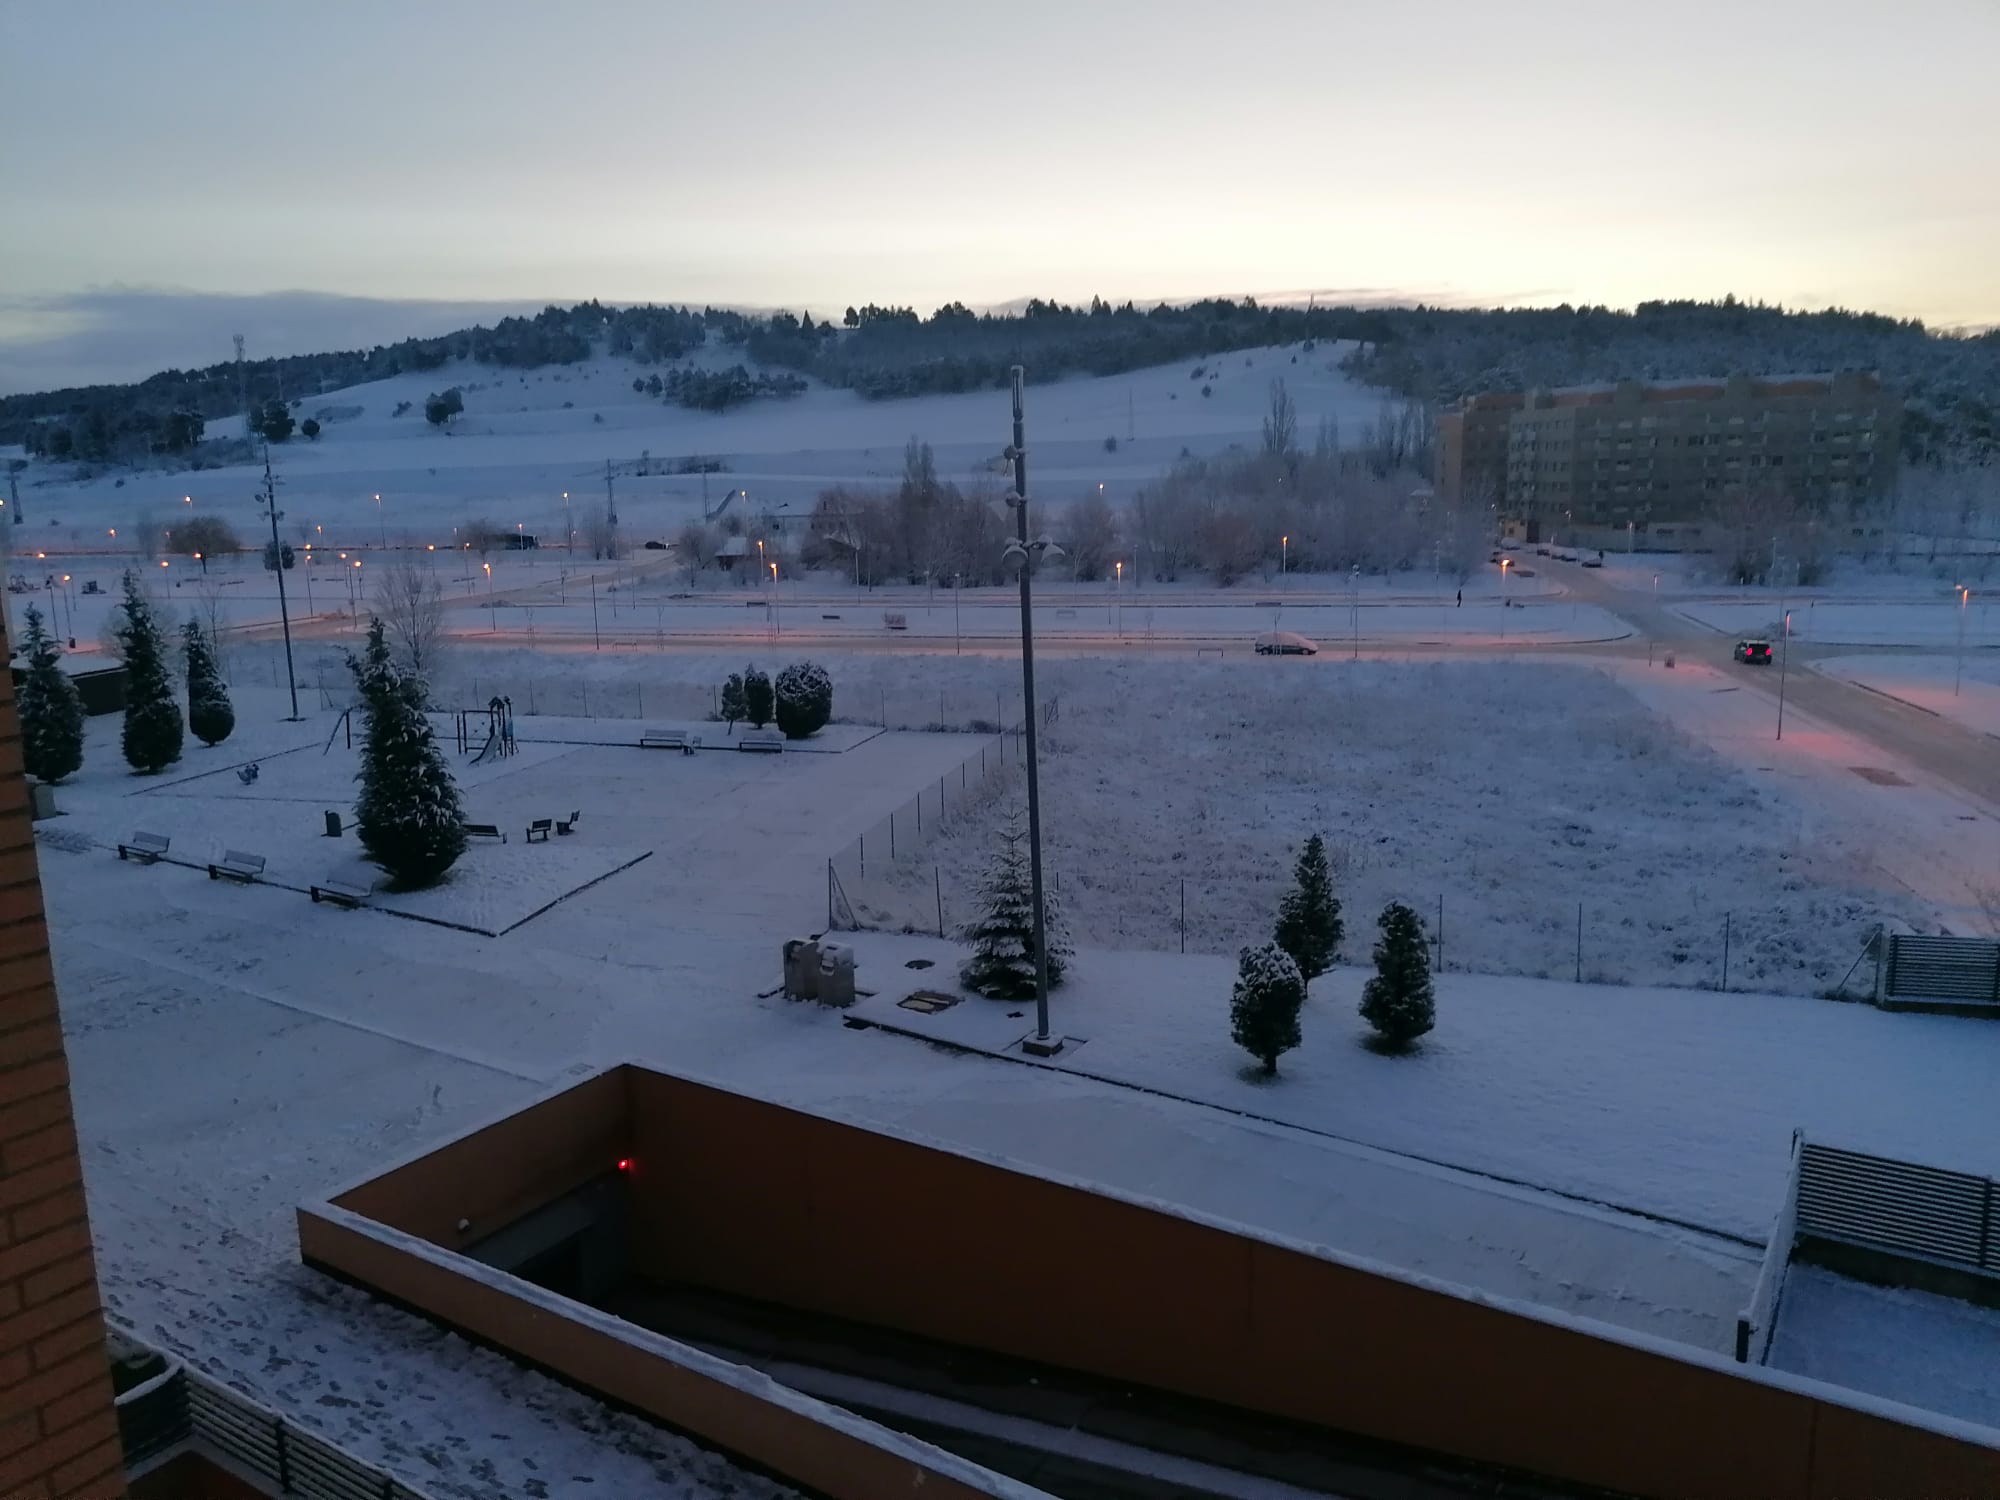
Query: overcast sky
[518, 151]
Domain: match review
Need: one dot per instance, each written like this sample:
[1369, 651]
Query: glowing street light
[777, 624]
[492, 608]
[1958, 671]
[1284, 558]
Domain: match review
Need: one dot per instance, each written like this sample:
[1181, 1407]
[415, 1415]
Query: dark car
[1285, 643]
[1755, 653]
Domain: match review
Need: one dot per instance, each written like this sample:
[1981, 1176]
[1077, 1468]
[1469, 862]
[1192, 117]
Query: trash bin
[332, 825]
[836, 974]
[802, 966]
[41, 801]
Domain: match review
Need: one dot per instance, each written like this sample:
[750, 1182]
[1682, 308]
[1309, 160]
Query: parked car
[1285, 643]
[1593, 562]
[1541, 552]
[1754, 653]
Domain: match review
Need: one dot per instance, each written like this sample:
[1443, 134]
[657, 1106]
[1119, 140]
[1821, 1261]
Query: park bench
[668, 739]
[538, 831]
[760, 739]
[237, 866]
[893, 621]
[341, 890]
[144, 847]
[568, 825]
[484, 831]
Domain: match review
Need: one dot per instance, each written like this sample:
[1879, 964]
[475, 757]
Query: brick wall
[58, 1434]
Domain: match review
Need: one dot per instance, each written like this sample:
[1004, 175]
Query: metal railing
[1943, 968]
[1759, 1319]
[1899, 1206]
[180, 1407]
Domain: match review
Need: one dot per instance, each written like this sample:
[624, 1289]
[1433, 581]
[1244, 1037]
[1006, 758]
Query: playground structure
[499, 741]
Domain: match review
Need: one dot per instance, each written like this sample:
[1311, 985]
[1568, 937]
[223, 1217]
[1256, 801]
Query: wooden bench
[237, 866]
[761, 739]
[484, 831]
[144, 847]
[341, 890]
[568, 825]
[892, 621]
[669, 739]
[538, 831]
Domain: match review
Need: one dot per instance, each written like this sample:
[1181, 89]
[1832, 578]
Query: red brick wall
[58, 1435]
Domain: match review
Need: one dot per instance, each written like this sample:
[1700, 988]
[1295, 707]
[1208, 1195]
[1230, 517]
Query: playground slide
[492, 744]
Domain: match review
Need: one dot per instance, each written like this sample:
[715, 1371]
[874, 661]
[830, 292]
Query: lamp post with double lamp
[1021, 552]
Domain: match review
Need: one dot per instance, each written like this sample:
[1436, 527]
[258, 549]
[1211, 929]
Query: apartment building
[1630, 456]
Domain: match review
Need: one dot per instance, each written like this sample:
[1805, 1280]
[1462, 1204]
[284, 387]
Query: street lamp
[1784, 656]
[1354, 607]
[1019, 552]
[1118, 600]
[1505, 564]
[492, 608]
[383, 522]
[777, 624]
[1958, 671]
[1284, 559]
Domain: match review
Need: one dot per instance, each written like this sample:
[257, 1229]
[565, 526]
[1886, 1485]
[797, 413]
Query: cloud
[125, 333]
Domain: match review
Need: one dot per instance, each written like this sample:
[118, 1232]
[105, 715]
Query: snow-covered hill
[527, 438]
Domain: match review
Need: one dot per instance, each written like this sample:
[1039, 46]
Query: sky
[161, 160]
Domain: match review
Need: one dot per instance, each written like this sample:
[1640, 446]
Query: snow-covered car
[1593, 562]
[1754, 653]
[1285, 643]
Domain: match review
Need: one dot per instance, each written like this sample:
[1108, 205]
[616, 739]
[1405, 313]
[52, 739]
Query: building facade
[1626, 457]
[58, 1434]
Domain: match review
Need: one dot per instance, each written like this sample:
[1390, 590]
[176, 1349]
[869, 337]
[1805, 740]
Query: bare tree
[694, 550]
[145, 533]
[206, 536]
[481, 535]
[1281, 423]
[1089, 535]
[600, 533]
[208, 611]
[410, 601]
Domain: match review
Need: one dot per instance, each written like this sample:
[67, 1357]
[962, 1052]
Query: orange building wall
[58, 1436]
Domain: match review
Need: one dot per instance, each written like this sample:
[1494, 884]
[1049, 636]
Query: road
[1960, 758]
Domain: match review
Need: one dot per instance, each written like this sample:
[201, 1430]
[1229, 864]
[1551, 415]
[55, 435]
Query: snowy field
[1514, 791]
[1939, 1353]
[1966, 691]
[527, 439]
[1670, 1102]
[1936, 621]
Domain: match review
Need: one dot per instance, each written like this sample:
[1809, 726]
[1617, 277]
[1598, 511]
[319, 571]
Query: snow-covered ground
[1965, 690]
[528, 438]
[1939, 1353]
[1934, 621]
[1513, 791]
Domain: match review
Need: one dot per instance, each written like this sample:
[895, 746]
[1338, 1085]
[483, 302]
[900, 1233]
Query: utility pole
[278, 567]
[610, 496]
[242, 384]
[14, 488]
[1041, 1044]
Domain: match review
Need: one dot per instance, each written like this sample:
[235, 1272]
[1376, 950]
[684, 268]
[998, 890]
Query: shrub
[803, 699]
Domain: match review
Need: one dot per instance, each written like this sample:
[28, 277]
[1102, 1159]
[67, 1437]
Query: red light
[624, 1163]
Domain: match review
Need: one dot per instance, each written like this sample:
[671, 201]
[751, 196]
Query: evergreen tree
[152, 738]
[1002, 965]
[1309, 925]
[734, 706]
[408, 813]
[756, 698]
[1398, 1002]
[1264, 1009]
[50, 707]
[804, 699]
[210, 714]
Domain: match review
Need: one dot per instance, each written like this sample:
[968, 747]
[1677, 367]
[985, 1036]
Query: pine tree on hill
[1398, 1001]
[1264, 1008]
[734, 706]
[408, 814]
[1002, 965]
[153, 730]
[50, 707]
[757, 698]
[1309, 925]
[210, 714]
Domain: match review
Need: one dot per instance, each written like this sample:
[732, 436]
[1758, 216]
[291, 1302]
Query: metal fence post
[1579, 942]
[1725, 953]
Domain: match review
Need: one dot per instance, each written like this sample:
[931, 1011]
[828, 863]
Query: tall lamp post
[1021, 552]
[1958, 671]
[278, 567]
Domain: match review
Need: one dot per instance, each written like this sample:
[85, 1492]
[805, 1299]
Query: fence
[181, 1407]
[1757, 1321]
[1942, 968]
[1879, 1203]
